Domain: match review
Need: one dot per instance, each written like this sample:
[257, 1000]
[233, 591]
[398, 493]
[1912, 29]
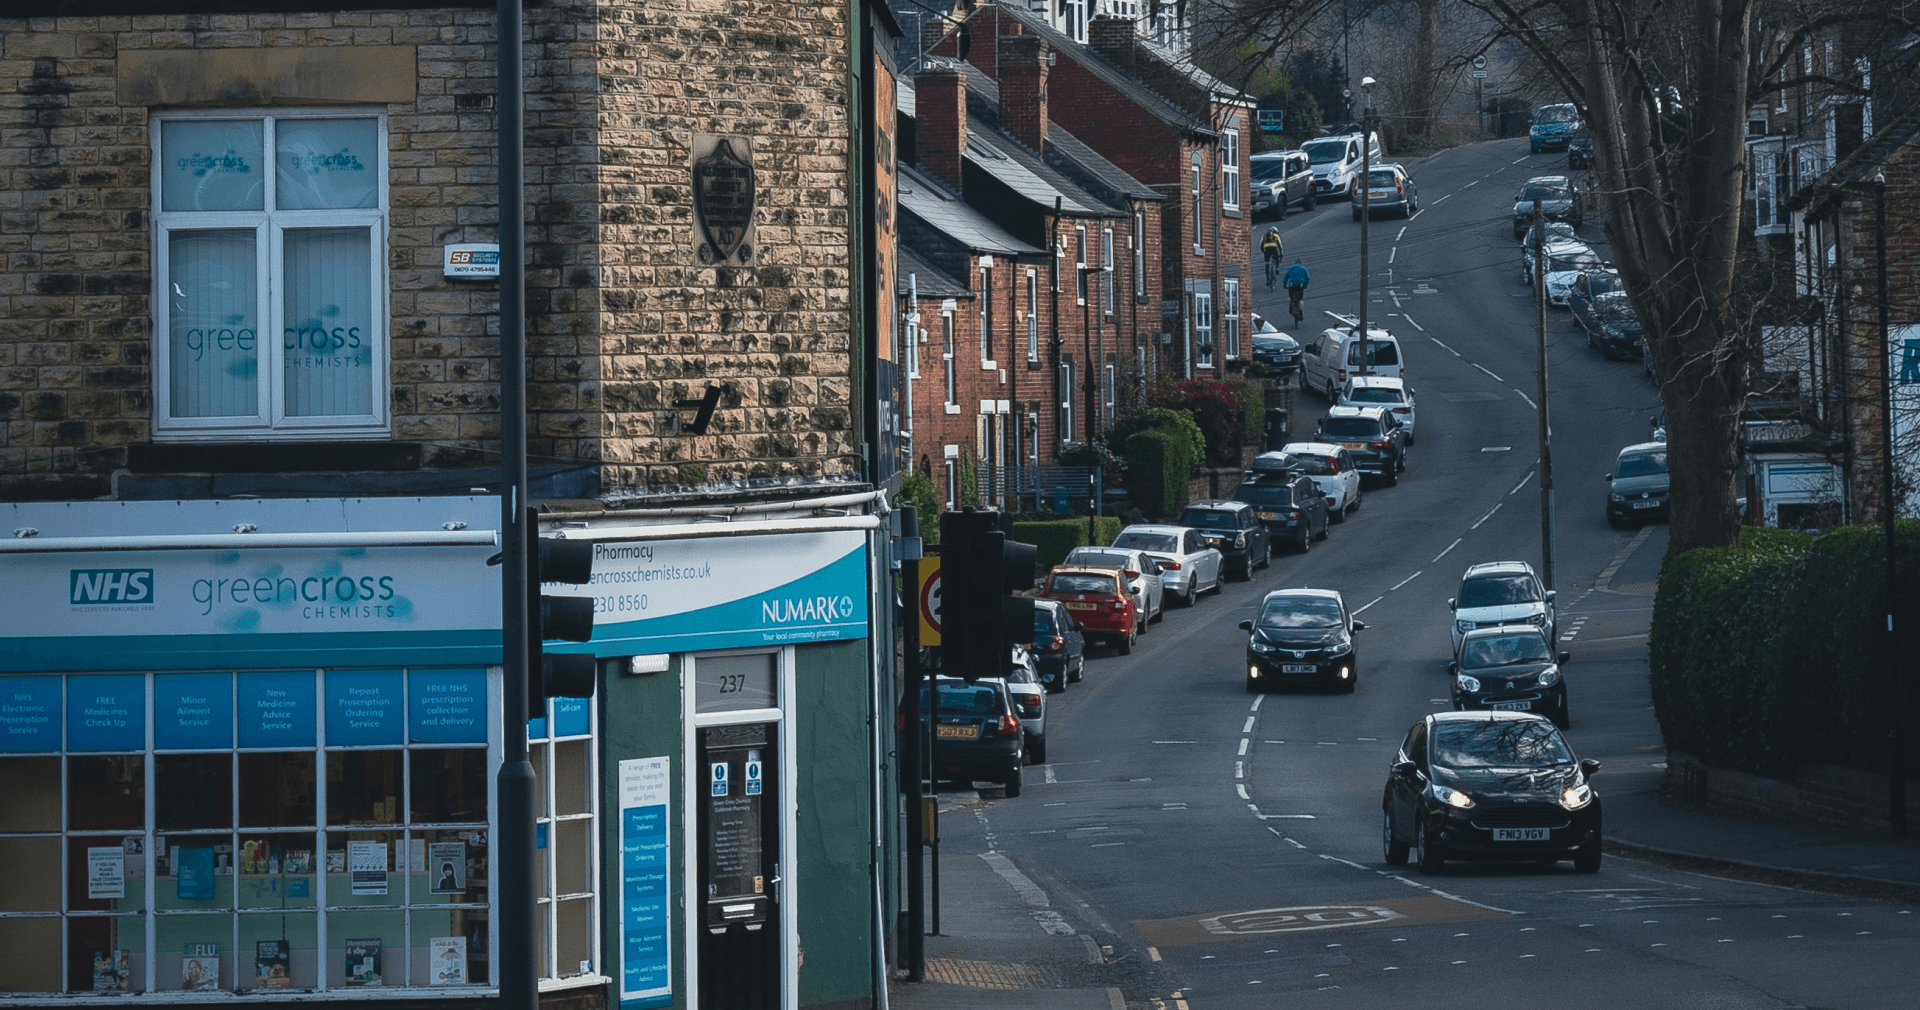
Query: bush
[1160, 461]
[1160, 417]
[1253, 411]
[1053, 538]
[1216, 407]
[969, 479]
[919, 492]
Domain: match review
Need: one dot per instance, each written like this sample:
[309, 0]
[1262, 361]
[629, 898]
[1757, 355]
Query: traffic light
[567, 618]
[980, 566]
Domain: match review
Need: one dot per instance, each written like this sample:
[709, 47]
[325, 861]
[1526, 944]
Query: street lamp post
[1366, 211]
[1896, 768]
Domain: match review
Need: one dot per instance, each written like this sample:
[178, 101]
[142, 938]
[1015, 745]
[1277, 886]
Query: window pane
[213, 333]
[449, 786]
[367, 948]
[363, 787]
[376, 853]
[212, 165]
[570, 856]
[196, 872]
[571, 782]
[33, 877]
[277, 951]
[328, 366]
[326, 163]
[179, 934]
[29, 794]
[277, 871]
[193, 791]
[30, 954]
[575, 934]
[455, 870]
[276, 790]
[106, 792]
[106, 954]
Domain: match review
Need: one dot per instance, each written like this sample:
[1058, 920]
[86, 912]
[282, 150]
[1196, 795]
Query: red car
[1099, 601]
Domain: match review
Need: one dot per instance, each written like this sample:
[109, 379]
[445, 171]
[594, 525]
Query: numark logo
[109, 585]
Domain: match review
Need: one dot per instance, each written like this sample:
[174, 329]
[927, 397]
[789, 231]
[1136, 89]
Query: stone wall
[1823, 796]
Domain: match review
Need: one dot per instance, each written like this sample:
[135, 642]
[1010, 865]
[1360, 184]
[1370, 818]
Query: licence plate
[1646, 504]
[1082, 606]
[1521, 834]
[1298, 668]
[1510, 706]
[957, 732]
[1269, 515]
[1354, 445]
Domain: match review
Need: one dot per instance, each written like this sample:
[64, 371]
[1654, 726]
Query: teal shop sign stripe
[271, 651]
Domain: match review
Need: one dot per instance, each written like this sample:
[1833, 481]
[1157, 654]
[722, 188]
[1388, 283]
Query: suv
[1553, 126]
[1289, 504]
[1502, 592]
[1233, 529]
[1389, 188]
[1641, 488]
[1332, 470]
[1336, 162]
[977, 735]
[1281, 178]
[1372, 435]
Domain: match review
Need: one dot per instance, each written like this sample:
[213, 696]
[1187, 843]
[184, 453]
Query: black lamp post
[1364, 183]
[1896, 765]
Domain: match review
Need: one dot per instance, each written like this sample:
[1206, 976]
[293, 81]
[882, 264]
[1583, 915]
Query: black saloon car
[1376, 440]
[1303, 636]
[1610, 323]
[1059, 650]
[1640, 486]
[1289, 504]
[1511, 668]
[1233, 529]
[1489, 786]
[976, 734]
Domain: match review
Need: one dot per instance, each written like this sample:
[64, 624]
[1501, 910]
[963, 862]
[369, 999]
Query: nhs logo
[109, 585]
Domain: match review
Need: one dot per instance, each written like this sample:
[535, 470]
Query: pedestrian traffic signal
[565, 618]
[980, 567]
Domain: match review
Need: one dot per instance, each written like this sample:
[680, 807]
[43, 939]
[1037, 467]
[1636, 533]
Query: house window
[1080, 264]
[1106, 265]
[1230, 163]
[1140, 254]
[953, 476]
[1198, 234]
[946, 360]
[1110, 390]
[1073, 18]
[1230, 314]
[566, 919]
[914, 336]
[986, 315]
[1202, 329]
[246, 253]
[1066, 402]
[1033, 314]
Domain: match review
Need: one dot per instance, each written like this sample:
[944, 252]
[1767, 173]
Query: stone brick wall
[623, 318]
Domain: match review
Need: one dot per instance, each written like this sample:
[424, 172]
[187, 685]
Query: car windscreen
[1379, 352]
[1269, 169]
[1300, 612]
[1099, 558]
[1373, 394]
[1505, 650]
[1540, 191]
[1350, 427]
[1557, 114]
[1497, 591]
[1080, 582]
[1498, 743]
[1265, 494]
[1642, 464]
[1162, 542]
[1207, 519]
[1562, 262]
[1323, 151]
[967, 699]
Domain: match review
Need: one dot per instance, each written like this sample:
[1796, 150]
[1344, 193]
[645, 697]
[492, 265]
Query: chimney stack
[1112, 37]
[940, 120]
[1024, 63]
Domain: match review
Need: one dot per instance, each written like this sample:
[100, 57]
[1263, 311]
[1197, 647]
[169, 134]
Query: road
[1225, 847]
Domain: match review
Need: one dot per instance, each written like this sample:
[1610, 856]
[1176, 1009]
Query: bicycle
[1273, 271]
[1296, 295]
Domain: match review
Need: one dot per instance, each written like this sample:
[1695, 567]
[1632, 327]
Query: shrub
[1253, 410]
[1160, 461]
[1216, 407]
[1160, 417]
[919, 492]
[969, 479]
[1053, 538]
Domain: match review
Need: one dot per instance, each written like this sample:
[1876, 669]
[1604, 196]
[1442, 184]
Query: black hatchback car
[1489, 786]
[1059, 650]
[1303, 636]
[976, 735]
[1612, 327]
[1510, 668]
[1289, 504]
[1375, 438]
[1641, 488]
[1233, 529]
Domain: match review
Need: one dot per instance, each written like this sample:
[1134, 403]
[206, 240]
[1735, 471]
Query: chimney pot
[940, 121]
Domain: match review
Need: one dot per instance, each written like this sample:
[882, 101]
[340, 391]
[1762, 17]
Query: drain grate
[989, 975]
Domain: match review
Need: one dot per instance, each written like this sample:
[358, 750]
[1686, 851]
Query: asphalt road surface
[1225, 847]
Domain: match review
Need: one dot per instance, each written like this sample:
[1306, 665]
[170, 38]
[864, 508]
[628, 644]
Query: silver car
[1502, 592]
[1144, 583]
[1188, 567]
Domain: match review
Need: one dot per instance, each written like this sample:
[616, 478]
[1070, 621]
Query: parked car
[1580, 150]
[1549, 233]
[1098, 600]
[1381, 391]
[1489, 785]
[1611, 324]
[1557, 202]
[1336, 162]
[1332, 470]
[1328, 360]
[1302, 636]
[976, 735]
[1274, 349]
[1281, 179]
[1290, 507]
[1591, 284]
[1235, 530]
[1552, 127]
[1510, 669]
[1188, 567]
[1558, 252]
[1564, 265]
[1498, 593]
[1142, 575]
[1389, 190]
[1059, 650]
[1640, 488]
[1372, 436]
[1029, 703]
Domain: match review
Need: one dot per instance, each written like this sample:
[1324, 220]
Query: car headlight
[1616, 497]
[1550, 676]
[1538, 620]
[1575, 797]
[1451, 797]
[1463, 625]
[1467, 683]
[1340, 648]
[1259, 646]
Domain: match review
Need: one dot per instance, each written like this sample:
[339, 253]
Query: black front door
[740, 942]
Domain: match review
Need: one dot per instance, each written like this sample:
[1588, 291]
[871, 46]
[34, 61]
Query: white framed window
[1111, 386]
[273, 279]
[1066, 402]
[1140, 254]
[1230, 163]
[1230, 314]
[1080, 264]
[1106, 266]
[1198, 165]
[915, 335]
[1033, 314]
[946, 359]
[986, 312]
[1202, 329]
[1073, 19]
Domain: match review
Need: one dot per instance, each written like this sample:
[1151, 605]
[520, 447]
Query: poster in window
[106, 872]
[447, 960]
[112, 971]
[272, 964]
[200, 966]
[447, 865]
[193, 873]
[363, 962]
[367, 863]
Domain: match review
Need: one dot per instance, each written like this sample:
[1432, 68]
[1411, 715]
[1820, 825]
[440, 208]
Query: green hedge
[1053, 538]
[1159, 464]
[1766, 657]
[1253, 412]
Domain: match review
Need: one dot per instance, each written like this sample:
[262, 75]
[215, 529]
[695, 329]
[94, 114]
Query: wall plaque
[723, 194]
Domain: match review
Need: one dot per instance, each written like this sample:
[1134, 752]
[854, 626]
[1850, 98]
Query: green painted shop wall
[639, 717]
[834, 791]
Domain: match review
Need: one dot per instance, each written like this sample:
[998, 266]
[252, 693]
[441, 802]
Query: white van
[1330, 359]
[1336, 163]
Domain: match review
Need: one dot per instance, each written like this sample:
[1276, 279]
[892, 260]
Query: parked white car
[1332, 470]
[1144, 583]
[1381, 391]
[1188, 567]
